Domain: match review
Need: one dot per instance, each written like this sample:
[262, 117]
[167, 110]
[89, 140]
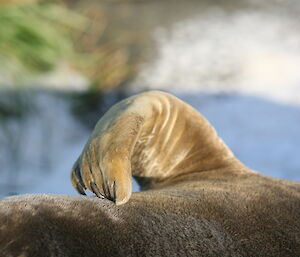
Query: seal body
[199, 200]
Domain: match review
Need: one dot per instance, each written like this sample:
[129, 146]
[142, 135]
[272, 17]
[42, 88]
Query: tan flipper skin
[198, 199]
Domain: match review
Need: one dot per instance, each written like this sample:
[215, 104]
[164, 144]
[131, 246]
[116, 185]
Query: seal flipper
[154, 136]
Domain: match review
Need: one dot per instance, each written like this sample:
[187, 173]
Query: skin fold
[197, 198]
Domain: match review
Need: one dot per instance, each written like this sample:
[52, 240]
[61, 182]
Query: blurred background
[64, 63]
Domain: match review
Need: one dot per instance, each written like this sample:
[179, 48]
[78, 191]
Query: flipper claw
[80, 189]
[96, 190]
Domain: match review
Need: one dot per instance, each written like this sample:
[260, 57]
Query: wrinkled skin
[198, 199]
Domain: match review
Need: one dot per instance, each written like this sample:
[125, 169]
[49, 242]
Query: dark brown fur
[220, 209]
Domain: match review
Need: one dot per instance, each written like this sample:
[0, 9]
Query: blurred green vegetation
[34, 37]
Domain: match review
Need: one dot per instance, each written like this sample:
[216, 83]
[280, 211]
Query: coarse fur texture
[199, 200]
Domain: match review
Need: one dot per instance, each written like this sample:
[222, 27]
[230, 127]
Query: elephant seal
[198, 199]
